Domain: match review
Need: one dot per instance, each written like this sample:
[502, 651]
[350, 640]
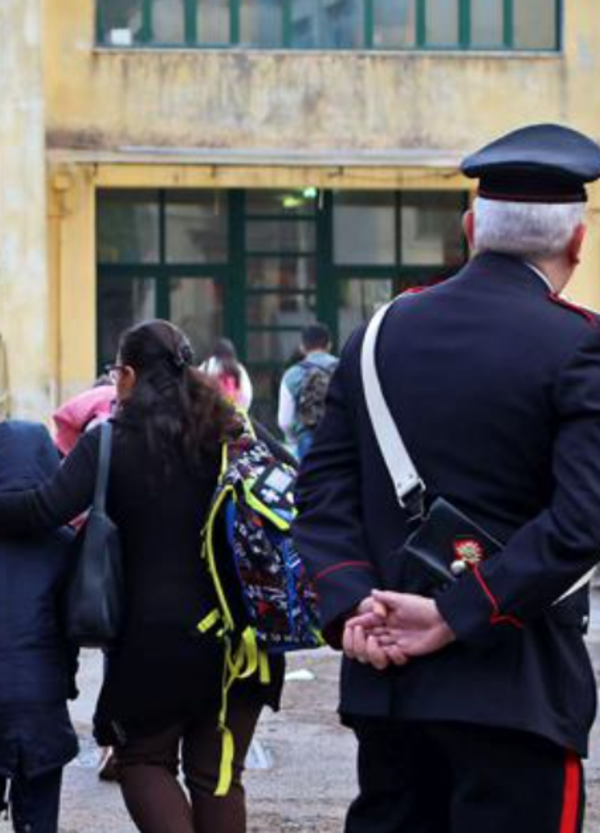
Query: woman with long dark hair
[162, 691]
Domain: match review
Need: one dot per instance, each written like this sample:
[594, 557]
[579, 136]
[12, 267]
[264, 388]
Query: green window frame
[192, 11]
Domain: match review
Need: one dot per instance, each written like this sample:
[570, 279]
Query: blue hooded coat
[36, 664]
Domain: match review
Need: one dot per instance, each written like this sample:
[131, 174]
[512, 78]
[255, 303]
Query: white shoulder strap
[397, 459]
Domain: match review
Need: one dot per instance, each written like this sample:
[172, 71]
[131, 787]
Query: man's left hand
[414, 626]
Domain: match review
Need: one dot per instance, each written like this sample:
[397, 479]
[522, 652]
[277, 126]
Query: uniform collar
[510, 270]
[541, 276]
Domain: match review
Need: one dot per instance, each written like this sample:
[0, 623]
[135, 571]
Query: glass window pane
[272, 309]
[431, 231]
[327, 24]
[168, 21]
[276, 236]
[120, 22]
[122, 302]
[196, 226]
[287, 273]
[441, 22]
[282, 203]
[265, 382]
[394, 23]
[277, 347]
[261, 23]
[213, 22]
[535, 24]
[127, 226]
[359, 299]
[196, 305]
[487, 23]
[364, 228]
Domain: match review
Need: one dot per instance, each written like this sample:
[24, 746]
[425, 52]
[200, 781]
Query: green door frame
[232, 274]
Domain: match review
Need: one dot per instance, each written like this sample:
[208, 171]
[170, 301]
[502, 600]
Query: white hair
[529, 230]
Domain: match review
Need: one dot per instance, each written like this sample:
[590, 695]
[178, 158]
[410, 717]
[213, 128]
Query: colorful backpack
[266, 603]
[312, 393]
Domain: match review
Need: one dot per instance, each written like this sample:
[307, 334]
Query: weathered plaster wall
[23, 270]
[291, 100]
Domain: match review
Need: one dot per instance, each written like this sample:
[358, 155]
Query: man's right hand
[359, 641]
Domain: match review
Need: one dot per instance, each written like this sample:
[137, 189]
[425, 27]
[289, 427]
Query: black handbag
[95, 595]
[445, 545]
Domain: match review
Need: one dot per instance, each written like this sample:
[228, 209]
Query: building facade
[247, 166]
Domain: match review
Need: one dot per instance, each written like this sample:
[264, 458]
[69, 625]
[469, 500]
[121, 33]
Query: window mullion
[100, 27]
[369, 23]
[191, 22]
[146, 32]
[464, 28]
[421, 24]
[234, 21]
[508, 24]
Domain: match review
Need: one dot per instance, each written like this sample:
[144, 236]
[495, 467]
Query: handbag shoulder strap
[408, 486]
[103, 466]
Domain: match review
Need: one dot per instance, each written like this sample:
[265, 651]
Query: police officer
[473, 708]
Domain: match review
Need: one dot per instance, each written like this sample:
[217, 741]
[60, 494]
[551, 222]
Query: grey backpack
[310, 402]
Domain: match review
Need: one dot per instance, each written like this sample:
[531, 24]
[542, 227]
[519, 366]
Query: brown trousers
[149, 767]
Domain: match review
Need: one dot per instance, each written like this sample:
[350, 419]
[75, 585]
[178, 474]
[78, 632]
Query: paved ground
[302, 769]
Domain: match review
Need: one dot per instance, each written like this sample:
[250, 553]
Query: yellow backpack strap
[238, 665]
[264, 669]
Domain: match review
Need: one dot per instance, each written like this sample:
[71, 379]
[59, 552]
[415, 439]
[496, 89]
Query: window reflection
[261, 23]
[122, 302]
[430, 227]
[327, 24]
[196, 305]
[487, 23]
[121, 21]
[359, 300]
[442, 27]
[196, 226]
[213, 22]
[364, 228]
[128, 227]
[168, 21]
[534, 24]
[395, 23]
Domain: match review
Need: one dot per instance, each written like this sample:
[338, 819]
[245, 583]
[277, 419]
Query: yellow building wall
[129, 100]
[150, 118]
[24, 296]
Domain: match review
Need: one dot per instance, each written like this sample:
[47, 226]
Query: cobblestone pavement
[301, 774]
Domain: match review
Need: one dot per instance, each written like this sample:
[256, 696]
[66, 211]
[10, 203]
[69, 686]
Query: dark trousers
[461, 778]
[148, 769]
[34, 802]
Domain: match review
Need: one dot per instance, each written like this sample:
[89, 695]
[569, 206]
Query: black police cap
[544, 163]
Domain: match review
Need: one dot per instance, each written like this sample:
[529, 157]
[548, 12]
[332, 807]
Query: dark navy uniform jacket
[36, 664]
[495, 386]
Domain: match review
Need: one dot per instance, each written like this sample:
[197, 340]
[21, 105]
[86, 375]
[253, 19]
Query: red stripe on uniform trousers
[496, 618]
[342, 566]
[569, 822]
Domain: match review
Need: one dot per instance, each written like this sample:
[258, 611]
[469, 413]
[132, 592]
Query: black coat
[162, 672]
[495, 386]
[36, 665]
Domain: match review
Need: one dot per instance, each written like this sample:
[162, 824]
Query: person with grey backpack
[304, 388]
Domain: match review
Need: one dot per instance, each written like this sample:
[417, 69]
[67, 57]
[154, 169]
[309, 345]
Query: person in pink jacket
[80, 413]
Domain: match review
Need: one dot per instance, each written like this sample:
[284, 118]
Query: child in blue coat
[36, 664]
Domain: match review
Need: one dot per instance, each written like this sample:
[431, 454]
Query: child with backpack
[304, 388]
[230, 373]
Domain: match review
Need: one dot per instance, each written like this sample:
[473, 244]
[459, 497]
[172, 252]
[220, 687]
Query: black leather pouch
[446, 544]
